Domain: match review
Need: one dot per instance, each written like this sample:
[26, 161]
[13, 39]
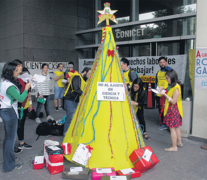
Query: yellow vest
[70, 83]
[179, 101]
[126, 76]
[161, 80]
[72, 74]
[59, 81]
[135, 107]
[26, 104]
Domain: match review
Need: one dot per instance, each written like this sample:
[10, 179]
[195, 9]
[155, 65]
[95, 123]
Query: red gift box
[54, 163]
[136, 173]
[40, 164]
[143, 159]
[66, 147]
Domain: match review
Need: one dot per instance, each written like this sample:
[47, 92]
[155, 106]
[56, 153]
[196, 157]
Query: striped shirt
[44, 87]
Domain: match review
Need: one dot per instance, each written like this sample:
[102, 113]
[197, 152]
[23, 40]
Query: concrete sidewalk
[189, 163]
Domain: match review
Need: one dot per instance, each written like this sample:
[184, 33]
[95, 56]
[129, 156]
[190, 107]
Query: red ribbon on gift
[89, 148]
[111, 53]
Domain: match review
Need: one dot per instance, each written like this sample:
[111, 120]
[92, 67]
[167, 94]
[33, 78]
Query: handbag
[41, 100]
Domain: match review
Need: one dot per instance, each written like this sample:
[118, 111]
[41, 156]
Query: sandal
[204, 147]
[147, 137]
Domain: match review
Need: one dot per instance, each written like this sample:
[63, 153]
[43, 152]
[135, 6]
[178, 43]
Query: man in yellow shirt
[161, 82]
[129, 75]
[59, 86]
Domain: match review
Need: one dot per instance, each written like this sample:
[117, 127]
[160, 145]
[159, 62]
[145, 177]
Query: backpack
[57, 130]
[43, 129]
[31, 114]
[130, 74]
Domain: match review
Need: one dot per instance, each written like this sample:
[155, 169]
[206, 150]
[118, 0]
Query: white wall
[199, 126]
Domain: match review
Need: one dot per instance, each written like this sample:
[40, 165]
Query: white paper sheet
[105, 170]
[118, 178]
[155, 91]
[28, 77]
[25, 77]
[54, 148]
[76, 173]
[127, 171]
[39, 78]
[81, 155]
[64, 81]
[76, 169]
[39, 160]
[147, 155]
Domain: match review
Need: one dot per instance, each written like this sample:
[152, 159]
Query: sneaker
[24, 146]
[17, 167]
[38, 120]
[17, 150]
[50, 117]
[56, 108]
[162, 127]
[60, 108]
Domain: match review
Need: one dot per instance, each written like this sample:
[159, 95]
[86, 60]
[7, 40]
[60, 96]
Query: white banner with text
[148, 65]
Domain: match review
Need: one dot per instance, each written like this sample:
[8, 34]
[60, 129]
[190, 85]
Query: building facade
[42, 30]
[146, 28]
[67, 30]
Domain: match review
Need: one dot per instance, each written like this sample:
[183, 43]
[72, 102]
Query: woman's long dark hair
[173, 77]
[8, 71]
[133, 93]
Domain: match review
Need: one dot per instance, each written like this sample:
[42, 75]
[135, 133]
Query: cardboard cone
[109, 125]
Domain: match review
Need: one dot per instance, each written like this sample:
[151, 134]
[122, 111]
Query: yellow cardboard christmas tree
[109, 125]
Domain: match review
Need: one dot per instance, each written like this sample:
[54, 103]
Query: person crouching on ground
[173, 111]
[137, 98]
[43, 89]
[10, 96]
[72, 94]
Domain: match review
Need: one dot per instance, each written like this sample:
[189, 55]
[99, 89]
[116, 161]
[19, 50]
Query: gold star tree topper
[107, 14]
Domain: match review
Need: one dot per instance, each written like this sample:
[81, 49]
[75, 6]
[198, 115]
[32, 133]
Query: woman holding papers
[10, 96]
[137, 98]
[173, 111]
[23, 109]
[43, 89]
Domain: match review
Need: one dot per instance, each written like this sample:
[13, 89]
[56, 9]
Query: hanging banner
[200, 68]
[148, 66]
[192, 68]
[35, 68]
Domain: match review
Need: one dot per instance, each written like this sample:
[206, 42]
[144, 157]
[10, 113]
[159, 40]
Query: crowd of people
[16, 101]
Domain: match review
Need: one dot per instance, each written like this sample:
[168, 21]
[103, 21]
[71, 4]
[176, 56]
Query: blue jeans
[39, 106]
[58, 92]
[10, 121]
[70, 107]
